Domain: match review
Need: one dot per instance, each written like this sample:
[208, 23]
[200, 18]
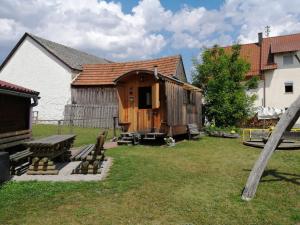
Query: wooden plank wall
[97, 116]
[178, 111]
[94, 95]
[92, 107]
[174, 94]
[14, 113]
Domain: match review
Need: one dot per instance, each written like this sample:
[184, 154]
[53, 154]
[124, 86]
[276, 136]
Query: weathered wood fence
[95, 116]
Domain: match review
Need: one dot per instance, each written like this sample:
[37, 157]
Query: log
[286, 122]
[14, 133]
[50, 172]
[15, 138]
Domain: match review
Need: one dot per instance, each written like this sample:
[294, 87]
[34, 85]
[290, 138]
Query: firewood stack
[92, 157]
[42, 166]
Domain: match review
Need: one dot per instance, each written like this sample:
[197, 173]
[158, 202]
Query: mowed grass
[83, 135]
[195, 182]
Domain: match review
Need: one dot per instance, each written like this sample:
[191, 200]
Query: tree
[221, 76]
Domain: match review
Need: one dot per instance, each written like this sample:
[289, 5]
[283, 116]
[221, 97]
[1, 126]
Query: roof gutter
[22, 95]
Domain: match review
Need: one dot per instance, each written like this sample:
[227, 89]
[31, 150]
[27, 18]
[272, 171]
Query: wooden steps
[129, 138]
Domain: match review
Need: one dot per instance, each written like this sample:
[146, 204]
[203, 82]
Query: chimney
[260, 38]
[155, 71]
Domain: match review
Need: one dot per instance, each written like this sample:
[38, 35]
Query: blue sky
[130, 30]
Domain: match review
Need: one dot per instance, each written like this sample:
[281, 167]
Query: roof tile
[12, 87]
[105, 74]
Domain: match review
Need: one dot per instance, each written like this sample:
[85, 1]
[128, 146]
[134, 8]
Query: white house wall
[33, 67]
[275, 88]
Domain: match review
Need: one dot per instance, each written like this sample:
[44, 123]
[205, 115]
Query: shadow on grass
[279, 176]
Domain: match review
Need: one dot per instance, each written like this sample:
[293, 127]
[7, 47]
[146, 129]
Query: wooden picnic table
[45, 150]
[51, 146]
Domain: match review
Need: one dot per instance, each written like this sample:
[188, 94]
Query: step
[156, 134]
[124, 142]
[149, 138]
[127, 138]
[127, 134]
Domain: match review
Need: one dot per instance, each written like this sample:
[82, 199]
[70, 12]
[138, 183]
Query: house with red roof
[276, 61]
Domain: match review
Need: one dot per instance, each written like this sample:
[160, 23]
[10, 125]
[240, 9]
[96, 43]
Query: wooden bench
[193, 131]
[259, 135]
[19, 162]
[91, 156]
[91, 149]
[15, 138]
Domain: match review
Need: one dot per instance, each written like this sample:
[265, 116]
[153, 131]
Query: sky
[123, 30]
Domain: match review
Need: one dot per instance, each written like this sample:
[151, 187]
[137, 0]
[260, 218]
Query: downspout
[264, 92]
[35, 103]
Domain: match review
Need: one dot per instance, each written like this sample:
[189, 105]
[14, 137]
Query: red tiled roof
[105, 74]
[278, 44]
[12, 87]
[261, 57]
[251, 53]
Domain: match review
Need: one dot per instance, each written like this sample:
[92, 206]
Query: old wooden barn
[150, 96]
[15, 114]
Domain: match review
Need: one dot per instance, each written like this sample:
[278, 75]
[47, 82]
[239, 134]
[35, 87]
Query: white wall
[275, 88]
[33, 67]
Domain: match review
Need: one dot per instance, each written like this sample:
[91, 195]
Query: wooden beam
[285, 123]
[14, 133]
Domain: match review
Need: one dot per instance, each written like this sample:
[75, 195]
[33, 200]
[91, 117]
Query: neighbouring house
[147, 96]
[276, 61]
[16, 105]
[47, 67]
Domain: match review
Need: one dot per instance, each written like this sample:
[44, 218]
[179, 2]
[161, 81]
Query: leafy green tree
[221, 76]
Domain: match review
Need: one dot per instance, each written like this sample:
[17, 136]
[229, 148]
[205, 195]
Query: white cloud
[251, 17]
[88, 24]
[103, 28]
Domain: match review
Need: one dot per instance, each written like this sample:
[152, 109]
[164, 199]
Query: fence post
[59, 127]
[115, 125]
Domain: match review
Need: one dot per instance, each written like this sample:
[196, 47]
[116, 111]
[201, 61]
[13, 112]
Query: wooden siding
[14, 113]
[94, 95]
[181, 111]
[97, 116]
[92, 107]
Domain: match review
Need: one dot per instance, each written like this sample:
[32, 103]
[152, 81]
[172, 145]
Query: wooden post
[285, 123]
[59, 127]
[114, 126]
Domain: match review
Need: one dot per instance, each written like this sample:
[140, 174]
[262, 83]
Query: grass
[83, 136]
[196, 182]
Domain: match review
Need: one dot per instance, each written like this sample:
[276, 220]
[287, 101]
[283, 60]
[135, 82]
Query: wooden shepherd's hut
[150, 96]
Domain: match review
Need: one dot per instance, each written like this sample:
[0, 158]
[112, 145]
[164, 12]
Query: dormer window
[288, 59]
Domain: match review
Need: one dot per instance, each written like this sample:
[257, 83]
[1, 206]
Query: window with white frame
[288, 87]
[288, 59]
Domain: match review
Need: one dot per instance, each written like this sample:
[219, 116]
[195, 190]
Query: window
[288, 59]
[145, 97]
[288, 87]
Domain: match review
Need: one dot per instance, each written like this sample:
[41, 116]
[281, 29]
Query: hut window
[145, 97]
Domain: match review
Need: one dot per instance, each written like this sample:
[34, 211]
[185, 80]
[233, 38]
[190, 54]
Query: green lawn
[196, 182]
[83, 136]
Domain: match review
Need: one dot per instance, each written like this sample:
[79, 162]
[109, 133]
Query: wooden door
[145, 120]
